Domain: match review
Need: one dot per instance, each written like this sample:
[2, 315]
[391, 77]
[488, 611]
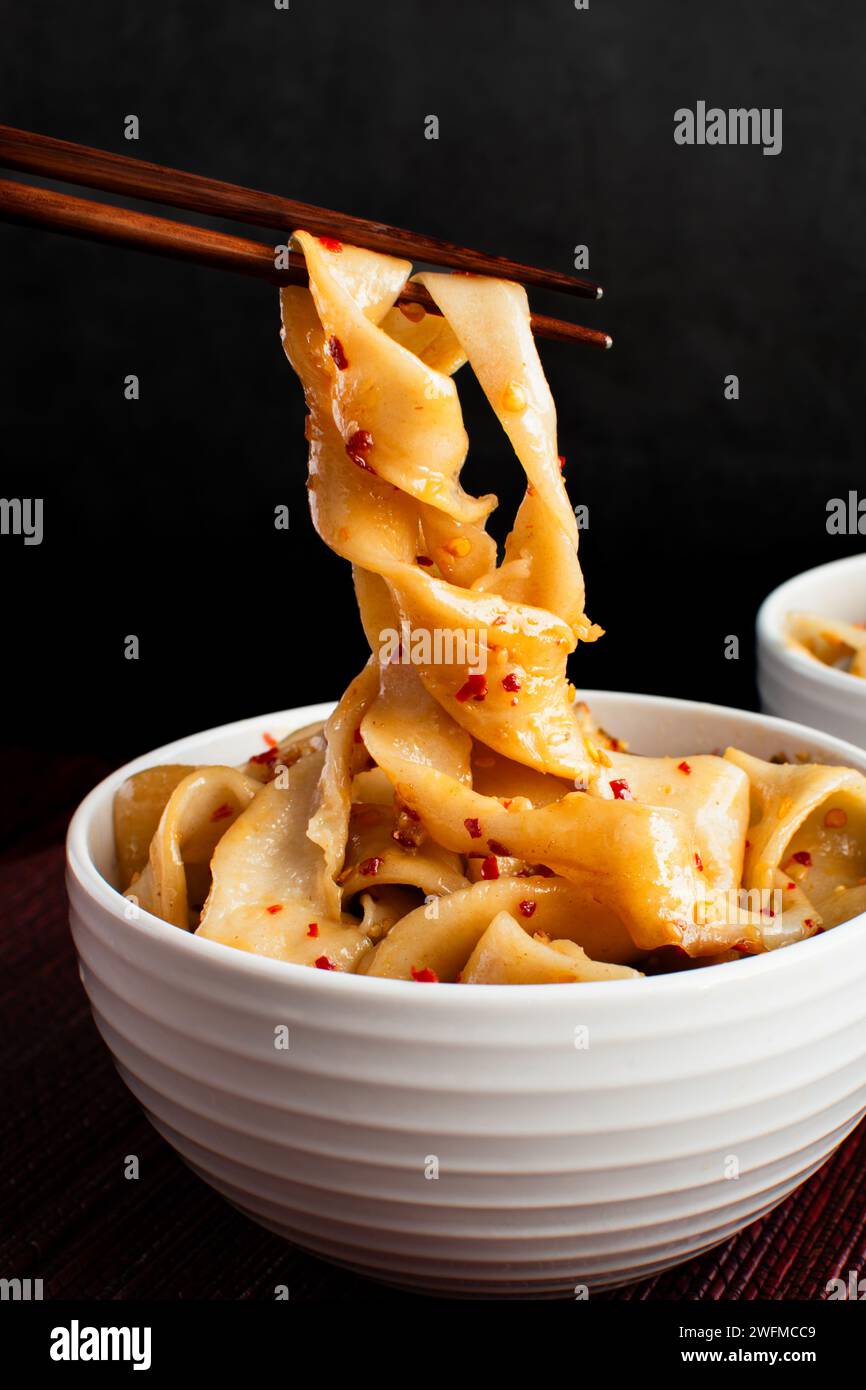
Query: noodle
[460, 817]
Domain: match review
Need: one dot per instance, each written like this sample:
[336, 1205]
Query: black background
[556, 128]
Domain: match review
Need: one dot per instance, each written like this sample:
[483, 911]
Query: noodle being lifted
[460, 816]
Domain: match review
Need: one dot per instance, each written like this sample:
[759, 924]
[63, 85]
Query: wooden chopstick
[71, 163]
[162, 236]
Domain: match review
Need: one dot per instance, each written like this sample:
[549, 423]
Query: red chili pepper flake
[370, 867]
[407, 811]
[425, 976]
[767, 912]
[270, 740]
[337, 352]
[684, 767]
[803, 857]
[699, 862]
[325, 963]
[473, 827]
[496, 848]
[313, 929]
[527, 907]
[270, 756]
[791, 887]
[474, 689]
[745, 948]
[561, 458]
[748, 844]
[423, 560]
[222, 811]
[510, 682]
[358, 446]
[274, 909]
[330, 243]
[403, 839]
[621, 789]
[490, 868]
[613, 744]
[808, 921]
[357, 735]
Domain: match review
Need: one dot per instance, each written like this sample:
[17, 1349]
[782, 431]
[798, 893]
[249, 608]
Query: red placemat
[70, 1217]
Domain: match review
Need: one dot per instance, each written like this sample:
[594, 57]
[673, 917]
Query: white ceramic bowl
[557, 1165]
[795, 686]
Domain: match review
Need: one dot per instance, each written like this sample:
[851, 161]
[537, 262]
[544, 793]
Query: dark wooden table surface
[70, 1217]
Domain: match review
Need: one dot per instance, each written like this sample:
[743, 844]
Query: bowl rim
[772, 639]
[81, 868]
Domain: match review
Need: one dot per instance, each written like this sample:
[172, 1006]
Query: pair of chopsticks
[66, 162]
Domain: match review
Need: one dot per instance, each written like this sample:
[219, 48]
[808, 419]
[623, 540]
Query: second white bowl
[796, 686]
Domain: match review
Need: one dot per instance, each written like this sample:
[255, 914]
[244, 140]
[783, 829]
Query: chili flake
[621, 789]
[330, 243]
[337, 353]
[496, 848]
[274, 909]
[475, 688]
[370, 867]
[473, 827]
[358, 446]
[684, 767]
[510, 682]
[270, 756]
[490, 868]
[313, 929]
[423, 560]
[527, 907]
[803, 857]
[425, 976]
[325, 963]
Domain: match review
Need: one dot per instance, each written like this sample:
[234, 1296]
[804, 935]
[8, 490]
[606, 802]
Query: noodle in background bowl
[559, 1163]
[797, 686]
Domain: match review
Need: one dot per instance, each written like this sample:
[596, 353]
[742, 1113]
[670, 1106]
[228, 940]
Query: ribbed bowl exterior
[480, 1140]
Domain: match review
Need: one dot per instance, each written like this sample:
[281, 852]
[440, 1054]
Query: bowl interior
[654, 725]
[837, 590]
